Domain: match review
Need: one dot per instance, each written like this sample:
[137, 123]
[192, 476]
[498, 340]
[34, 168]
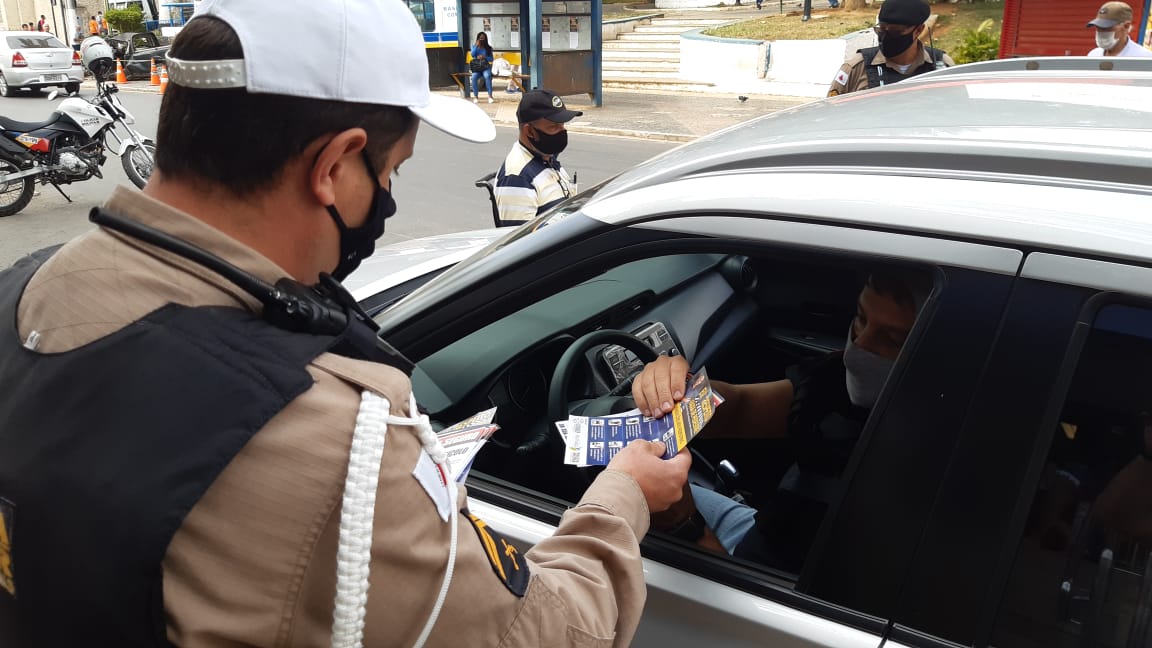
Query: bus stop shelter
[558, 45]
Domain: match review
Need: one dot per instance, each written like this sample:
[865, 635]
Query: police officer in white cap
[202, 440]
[899, 55]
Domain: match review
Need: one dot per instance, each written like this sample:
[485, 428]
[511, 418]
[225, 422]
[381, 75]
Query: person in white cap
[203, 442]
[1113, 22]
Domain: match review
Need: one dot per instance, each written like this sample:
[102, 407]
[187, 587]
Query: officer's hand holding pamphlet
[594, 440]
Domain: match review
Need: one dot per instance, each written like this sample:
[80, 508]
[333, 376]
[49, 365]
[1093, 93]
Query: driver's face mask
[865, 373]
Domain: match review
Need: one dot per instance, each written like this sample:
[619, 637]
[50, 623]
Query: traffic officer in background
[900, 54]
[193, 428]
[531, 181]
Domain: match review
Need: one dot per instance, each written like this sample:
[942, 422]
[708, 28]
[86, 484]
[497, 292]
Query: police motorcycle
[72, 144]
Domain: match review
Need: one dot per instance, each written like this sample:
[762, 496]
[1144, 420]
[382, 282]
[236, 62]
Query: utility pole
[55, 27]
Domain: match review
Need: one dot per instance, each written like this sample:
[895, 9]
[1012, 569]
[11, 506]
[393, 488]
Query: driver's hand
[660, 384]
[662, 481]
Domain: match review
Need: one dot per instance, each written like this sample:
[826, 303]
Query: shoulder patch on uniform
[7, 516]
[841, 77]
[509, 566]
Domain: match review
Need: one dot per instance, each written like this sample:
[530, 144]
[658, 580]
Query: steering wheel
[558, 406]
[702, 471]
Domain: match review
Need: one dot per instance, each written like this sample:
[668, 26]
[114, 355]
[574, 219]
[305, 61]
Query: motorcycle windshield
[42, 52]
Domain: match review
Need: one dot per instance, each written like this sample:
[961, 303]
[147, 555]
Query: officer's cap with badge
[544, 104]
[904, 12]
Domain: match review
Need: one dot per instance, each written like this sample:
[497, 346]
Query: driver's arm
[757, 411]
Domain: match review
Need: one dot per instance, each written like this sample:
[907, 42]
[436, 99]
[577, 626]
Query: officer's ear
[919, 31]
[336, 161]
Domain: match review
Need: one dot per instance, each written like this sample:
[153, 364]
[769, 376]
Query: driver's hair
[906, 287]
[240, 141]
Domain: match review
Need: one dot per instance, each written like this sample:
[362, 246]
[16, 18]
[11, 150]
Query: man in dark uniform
[820, 408]
[900, 54]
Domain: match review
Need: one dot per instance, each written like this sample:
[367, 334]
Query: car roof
[1063, 123]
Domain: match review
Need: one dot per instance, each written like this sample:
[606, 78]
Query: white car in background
[34, 60]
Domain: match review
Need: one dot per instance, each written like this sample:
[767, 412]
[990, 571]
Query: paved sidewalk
[677, 117]
[672, 116]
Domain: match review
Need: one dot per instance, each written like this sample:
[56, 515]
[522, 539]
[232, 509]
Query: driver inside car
[820, 408]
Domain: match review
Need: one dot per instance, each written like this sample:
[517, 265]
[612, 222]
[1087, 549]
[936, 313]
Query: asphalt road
[434, 191]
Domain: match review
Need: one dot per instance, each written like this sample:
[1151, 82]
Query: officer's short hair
[240, 140]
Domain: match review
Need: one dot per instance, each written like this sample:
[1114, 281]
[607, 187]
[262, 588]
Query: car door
[1050, 546]
[846, 592]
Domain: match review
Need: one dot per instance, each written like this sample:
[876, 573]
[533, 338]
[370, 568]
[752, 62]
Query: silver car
[34, 60]
[996, 493]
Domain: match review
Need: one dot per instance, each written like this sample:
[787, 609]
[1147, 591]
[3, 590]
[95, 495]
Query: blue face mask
[865, 373]
[358, 243]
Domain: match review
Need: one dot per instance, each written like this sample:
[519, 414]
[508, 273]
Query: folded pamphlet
[463, 440]
[594, 440]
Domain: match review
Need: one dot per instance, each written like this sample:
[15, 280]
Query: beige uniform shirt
[853, 75]
[254, 563]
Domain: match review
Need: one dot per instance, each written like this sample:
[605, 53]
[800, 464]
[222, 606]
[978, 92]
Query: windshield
[551, 217]
[35, 42]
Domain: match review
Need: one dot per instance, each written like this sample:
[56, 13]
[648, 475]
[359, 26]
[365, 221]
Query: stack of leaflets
[594, 440]
[463, 440]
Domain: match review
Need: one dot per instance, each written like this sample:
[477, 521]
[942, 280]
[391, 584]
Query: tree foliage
[980, 44]
[130, 19]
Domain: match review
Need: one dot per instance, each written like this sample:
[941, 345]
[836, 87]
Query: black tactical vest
[879, 75]
[105, 449]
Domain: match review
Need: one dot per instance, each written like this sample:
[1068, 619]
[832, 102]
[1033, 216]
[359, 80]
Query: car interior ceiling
[745, 317]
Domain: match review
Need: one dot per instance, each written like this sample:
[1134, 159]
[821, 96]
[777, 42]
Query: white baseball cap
[360, 51]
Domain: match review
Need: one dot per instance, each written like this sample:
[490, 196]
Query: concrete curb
[621, 132]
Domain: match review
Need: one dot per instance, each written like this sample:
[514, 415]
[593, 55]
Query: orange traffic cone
[154, 73]
[163, 79]
[120, 76]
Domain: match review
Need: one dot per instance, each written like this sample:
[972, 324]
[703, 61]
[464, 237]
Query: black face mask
[357, 244]
[896, 44]
[550, 144]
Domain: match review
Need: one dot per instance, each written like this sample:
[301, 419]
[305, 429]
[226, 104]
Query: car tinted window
[1081, 575]
[34, 42]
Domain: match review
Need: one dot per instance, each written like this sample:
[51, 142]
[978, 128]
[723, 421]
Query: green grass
[614, 9]
[952, 20]
[824, 24]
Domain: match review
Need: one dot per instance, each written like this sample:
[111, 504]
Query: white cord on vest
[435, 450]
[354, 555]
[354, 552]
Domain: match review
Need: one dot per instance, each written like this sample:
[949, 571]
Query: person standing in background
[1113, 23]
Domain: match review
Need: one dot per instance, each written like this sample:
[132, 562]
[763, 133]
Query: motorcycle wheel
[14, 195]
[136, 166]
